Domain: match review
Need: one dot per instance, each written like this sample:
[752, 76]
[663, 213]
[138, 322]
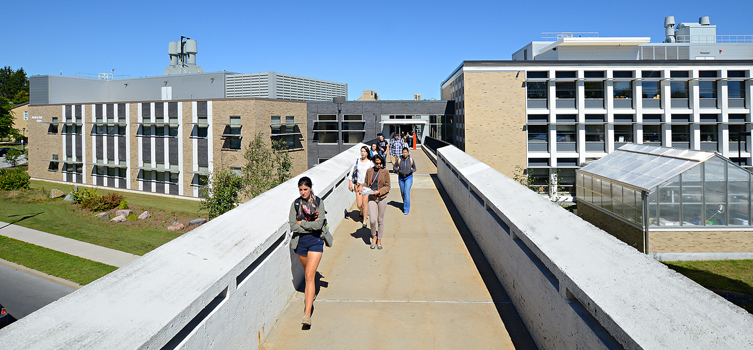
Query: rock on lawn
[198, 221]
[56, 193]
[175, 227]
[145, 215]
[104, 215]
[123, 212]
[119, 218]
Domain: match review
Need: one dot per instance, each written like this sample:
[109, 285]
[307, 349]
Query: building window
[623, 133]
[538, 133]
[594, 89]
[652, 133]
[622, 74]
[707, 89]
[709, 133]
[680, 133]
[594, 133]
[353, 122]
[679, 89]
[623, 89]
[566, 133]
[26, 115]
[651, 89]
[537, 75]
[537, 90]
[325, 129]
[565, 89]
[736, 89]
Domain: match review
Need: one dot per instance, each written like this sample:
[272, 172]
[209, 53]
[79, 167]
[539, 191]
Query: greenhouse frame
[657, 188]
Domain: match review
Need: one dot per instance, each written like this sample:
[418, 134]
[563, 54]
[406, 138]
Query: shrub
[123, 204]
[106, 202]
[90, 199]
[13, 179]
[12, 157]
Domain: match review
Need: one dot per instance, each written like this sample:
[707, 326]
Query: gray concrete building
[336, 127]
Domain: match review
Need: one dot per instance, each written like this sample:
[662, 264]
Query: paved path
[22, 293]
[66, 245]
[429, 288]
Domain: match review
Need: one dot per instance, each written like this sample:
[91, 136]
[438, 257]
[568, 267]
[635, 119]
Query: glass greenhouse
[672, 187]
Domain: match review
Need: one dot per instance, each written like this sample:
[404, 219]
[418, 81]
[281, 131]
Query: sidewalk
[84, 250]
[427, 289]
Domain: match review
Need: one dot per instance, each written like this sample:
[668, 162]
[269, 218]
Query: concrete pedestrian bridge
[480, 263]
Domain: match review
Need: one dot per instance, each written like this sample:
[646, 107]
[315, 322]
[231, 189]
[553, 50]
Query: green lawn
[156, 202]
[733, 275]
[721, 275]
[35, 210]
[72, 268]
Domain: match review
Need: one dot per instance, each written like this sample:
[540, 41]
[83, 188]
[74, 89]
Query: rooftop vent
[182, 57]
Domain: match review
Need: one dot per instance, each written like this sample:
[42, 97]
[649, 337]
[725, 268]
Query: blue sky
[397, 48]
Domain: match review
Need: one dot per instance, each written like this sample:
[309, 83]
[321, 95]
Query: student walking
[383, 145]
[356, 179]
[308, 225]
[396, 146]
[378, 180]
[405, 167]
[374, 150]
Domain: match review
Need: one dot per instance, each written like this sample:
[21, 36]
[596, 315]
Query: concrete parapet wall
[575, 286]
[220, 286]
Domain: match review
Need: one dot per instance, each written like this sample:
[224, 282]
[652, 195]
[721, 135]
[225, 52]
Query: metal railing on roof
[714, 39]
[554, 36]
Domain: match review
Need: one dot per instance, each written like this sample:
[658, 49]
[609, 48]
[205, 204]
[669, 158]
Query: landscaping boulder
[119, 218]
[56, 193]
[123, 212]
[145, 215]
[198, 221]
[175, 226]
[104, 215]
[68, 198]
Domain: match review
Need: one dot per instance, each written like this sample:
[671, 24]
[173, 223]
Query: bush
[12, 157]
[123, 204]
[13, 179]
[90, 199]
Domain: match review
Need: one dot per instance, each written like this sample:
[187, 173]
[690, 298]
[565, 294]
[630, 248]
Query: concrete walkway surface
[429, 288]
[67, 245]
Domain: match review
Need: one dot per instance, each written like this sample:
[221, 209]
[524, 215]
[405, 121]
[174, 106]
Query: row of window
[624, 89]
[328, 131]
[626, 133]
[630, 118]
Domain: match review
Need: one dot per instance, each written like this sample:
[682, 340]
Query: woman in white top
[356, 179]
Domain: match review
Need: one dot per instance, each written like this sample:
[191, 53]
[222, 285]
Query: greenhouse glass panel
[617, 206]
[628, 196]
[738, 196]
[587, 182]
[692, 197]
[597, 186]
[596, 198]
[639, 209]
[715, 191]
[653, 207]
[606, 203]
[669, 203]
[605, 185]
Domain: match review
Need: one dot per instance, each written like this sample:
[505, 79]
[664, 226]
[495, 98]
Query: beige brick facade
[18, 119]
[494, 119]
[700, 241]
[256, 116]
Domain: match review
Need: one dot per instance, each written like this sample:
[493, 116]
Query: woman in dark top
[405, 167]
[307, 221]
[378, 180]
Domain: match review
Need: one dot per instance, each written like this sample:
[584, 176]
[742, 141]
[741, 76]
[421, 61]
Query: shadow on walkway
[519, 334]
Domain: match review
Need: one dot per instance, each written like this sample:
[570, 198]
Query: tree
[6, 118]
[11, 82]
[222, 194]
[267, 165]
[12, 157]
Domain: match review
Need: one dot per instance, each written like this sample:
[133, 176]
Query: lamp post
[23, 135]
[339, 102]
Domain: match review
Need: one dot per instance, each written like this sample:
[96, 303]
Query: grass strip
[51, 262]
[732, 275]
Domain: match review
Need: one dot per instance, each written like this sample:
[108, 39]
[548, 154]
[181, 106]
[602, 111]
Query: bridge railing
[221, 286]
[575, 286]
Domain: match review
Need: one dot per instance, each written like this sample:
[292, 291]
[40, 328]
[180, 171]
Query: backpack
[355, 174]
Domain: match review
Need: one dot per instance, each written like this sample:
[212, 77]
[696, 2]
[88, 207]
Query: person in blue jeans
[405, 167]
